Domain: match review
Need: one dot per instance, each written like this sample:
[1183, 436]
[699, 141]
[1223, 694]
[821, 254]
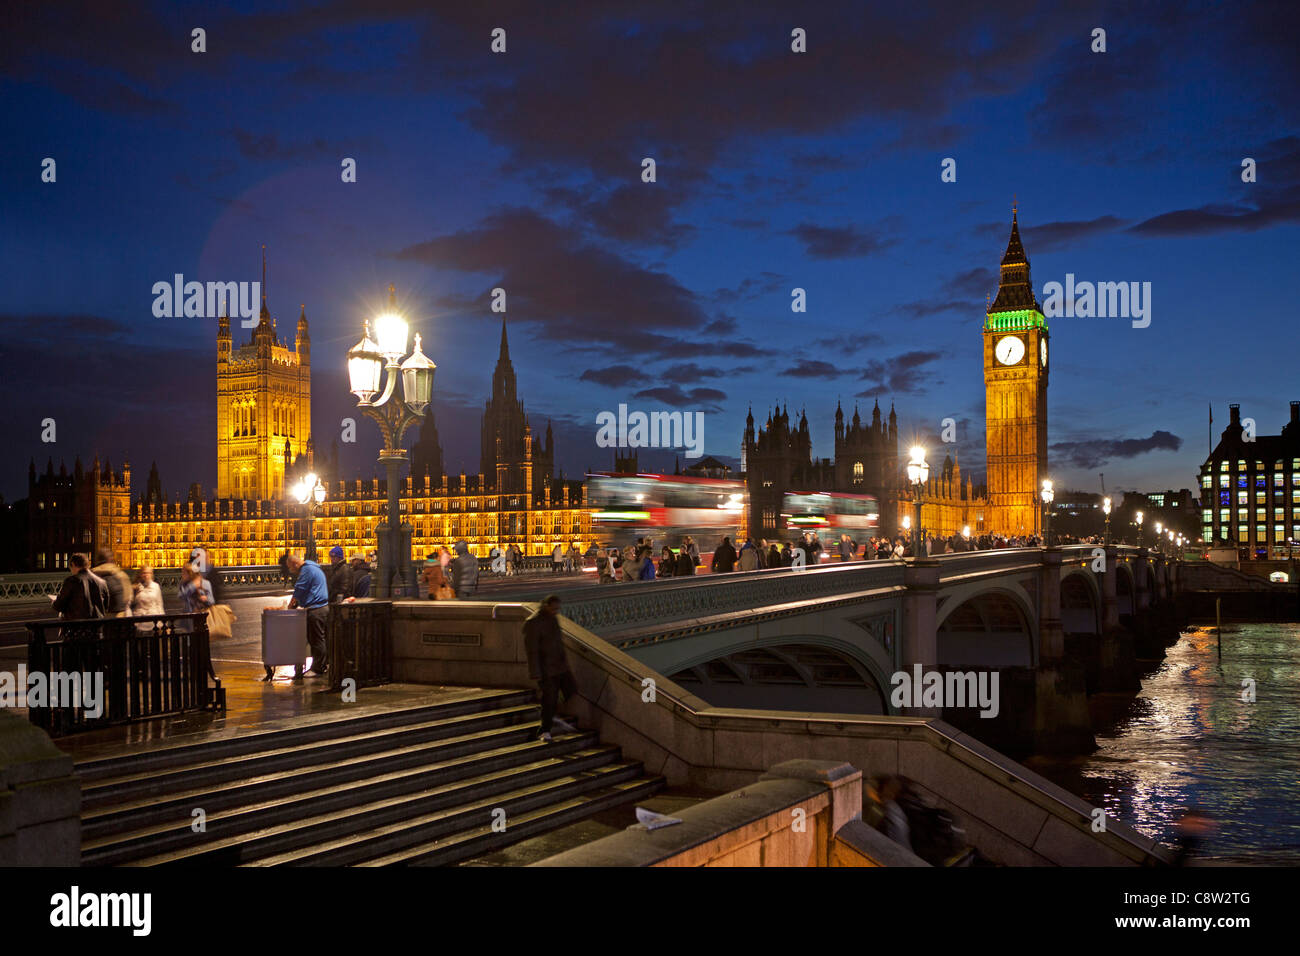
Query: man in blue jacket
[312, 593]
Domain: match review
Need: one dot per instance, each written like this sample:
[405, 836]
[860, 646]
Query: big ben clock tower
[1015, 396]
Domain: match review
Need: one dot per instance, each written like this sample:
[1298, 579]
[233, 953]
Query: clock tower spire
[1015, 395]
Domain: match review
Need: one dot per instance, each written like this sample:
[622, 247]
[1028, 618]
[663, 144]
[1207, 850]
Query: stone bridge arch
[1080, 602]
[984, 625]
[788, 672]
[1125, 588]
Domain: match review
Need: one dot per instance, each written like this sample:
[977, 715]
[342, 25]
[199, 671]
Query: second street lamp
[917, 473]
[1105, 508]
[1138, 518]
[1047, 496]
[367, 362]
[309, 492]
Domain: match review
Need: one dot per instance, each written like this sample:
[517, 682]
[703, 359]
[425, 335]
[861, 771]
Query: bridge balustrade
[151, 666]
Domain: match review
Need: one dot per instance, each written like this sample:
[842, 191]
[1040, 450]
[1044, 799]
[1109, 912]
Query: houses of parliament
[264, 444]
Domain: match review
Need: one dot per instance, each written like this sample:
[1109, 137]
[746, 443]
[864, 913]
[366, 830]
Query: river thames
[1189, 739]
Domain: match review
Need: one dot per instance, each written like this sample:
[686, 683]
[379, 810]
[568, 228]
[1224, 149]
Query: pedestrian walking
[146, 598]
[464, 571]
[360, 577]
[340, 577]
[724, 557]
[437, 579]
[548, 665]
[119, 585]
[83, 594]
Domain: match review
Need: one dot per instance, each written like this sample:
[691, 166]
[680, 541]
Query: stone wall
[789, 817]
[40, 799]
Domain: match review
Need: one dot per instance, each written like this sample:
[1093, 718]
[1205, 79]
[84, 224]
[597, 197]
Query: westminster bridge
[1056, 624]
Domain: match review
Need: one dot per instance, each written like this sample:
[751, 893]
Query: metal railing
[360, 643]
[149, 666]
[16, 588]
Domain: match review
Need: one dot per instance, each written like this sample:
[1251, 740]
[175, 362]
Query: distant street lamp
[1047, 512]
[1160, 541]
[309, 492]
[917, 473]
[1105, 507]
[1138, 518]
[367, 361]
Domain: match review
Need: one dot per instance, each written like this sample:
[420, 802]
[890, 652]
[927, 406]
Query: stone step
[385, 773]
[471, 843]
[139, 785]
[449, 802]
[408, 833]
[160, 758]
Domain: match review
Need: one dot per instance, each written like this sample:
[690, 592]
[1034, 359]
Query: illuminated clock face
[1009, 350]
[1042, 351]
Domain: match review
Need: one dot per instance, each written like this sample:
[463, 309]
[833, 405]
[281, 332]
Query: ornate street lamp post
[1138, 518]
[1105, 508]
[1047, 496]
[1160, 542]
[395, 413]
[917, 473]
[309, 492]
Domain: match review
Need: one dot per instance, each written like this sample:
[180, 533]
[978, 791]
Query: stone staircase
[412, 786]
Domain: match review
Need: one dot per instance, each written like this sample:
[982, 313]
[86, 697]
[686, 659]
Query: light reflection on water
[1188, 739]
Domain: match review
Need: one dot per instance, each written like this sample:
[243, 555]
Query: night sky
[775, 170]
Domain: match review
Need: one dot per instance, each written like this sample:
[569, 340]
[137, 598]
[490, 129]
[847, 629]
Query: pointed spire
[505, 345]
[1015, 290]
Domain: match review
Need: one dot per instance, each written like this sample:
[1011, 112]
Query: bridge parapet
[621, 606]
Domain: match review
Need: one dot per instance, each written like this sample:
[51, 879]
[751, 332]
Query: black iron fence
[87, 674]
[360, 643]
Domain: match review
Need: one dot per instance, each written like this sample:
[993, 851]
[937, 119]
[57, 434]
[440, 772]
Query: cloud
[836, 242]
[753, 287]
[708, 398]
[577, 291]
[898, 375]
[811, 368]
[845, 342]
[1094, 453]
[266, 146]
[613, 375]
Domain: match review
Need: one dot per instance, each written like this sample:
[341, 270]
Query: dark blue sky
[775, 170]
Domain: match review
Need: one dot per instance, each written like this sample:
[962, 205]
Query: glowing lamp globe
[365, 368]
[917, 468]
[417, 379]
[391, 332]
